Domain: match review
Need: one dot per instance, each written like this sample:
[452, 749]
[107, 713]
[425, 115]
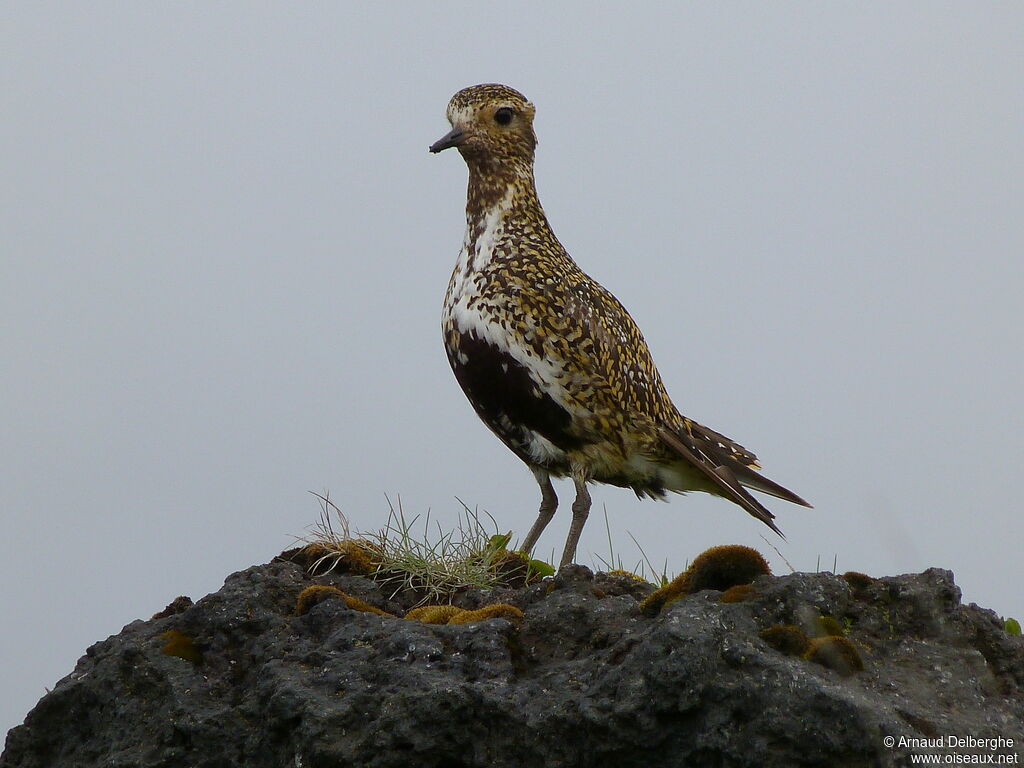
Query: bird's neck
[490, 183]
[500, 194]
[504, 224]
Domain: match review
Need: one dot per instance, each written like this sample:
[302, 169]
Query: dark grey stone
[585, 681]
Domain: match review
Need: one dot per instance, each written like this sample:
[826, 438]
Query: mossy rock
[450, 614]
[318, 593]
[836, 653]
[720, 568]
[787, 639]
[725, 566]
[181, 645]
[738, 594]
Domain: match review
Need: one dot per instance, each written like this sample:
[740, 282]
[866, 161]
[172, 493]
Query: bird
[549, 359]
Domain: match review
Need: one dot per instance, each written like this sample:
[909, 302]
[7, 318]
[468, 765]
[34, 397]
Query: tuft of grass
[772, 545]
[614, 563]
[817, 563]
[336, 546]
[415, 554]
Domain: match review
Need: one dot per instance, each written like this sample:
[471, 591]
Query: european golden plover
[549, 359]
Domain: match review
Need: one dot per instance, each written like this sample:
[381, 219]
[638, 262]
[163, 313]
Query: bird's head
[492, 125]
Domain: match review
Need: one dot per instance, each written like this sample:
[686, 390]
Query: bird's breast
[517, 391]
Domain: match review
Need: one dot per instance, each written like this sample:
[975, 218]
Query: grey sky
[225, 247]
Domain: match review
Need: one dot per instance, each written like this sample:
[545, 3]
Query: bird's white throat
[483, 233]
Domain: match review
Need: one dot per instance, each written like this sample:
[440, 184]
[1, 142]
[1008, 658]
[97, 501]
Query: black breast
[507, 398]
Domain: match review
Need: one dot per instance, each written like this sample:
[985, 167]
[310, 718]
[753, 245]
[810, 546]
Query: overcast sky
[225, 247]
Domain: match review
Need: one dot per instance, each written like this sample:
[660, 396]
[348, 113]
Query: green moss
[499, 541]
[539, 570]
[1012, 626]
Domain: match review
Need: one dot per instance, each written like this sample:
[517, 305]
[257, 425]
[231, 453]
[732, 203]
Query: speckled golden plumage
[550, 360]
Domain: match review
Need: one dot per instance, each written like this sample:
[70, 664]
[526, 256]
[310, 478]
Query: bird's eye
[503, 116]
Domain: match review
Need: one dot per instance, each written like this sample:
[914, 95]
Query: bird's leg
[580, 510]
[548, 505]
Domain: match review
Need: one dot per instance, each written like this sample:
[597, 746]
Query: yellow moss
[492, 611]
[317, 593]
[181, 645]
[725, 566]
[449, 614]
[359, 605]
[828, 625]
[434, 614]
[719, 568]
[356, 556]
[836, 653]
[738, 593]
[177, 605]
[787, 639]
[313, 551]
[630, 574]
[859, 582]
[659, 598]
[360, 556]
[511, 568]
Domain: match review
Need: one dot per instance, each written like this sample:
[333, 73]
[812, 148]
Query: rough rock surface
[586, 680]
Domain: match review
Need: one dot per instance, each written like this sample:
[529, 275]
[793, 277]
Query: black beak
[453, 138]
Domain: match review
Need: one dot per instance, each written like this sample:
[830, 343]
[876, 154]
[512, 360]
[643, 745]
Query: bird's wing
[610, 346]
[721, 444]
[620, 360]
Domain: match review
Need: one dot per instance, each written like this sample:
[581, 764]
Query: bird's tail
[714, 456]
[751, 478]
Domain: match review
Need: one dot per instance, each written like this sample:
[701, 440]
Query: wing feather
[719, 474]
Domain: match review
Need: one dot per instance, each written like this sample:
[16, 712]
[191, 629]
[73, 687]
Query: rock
[585, 680]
